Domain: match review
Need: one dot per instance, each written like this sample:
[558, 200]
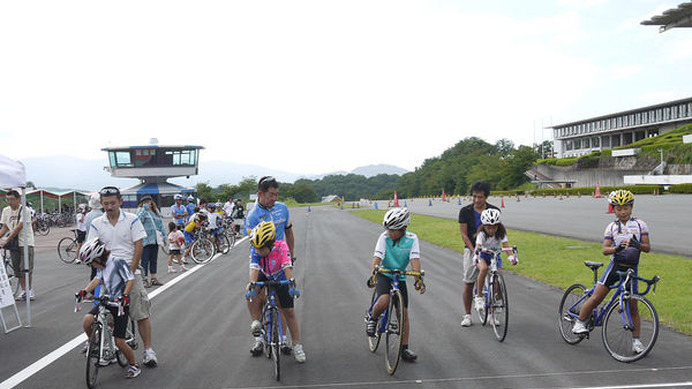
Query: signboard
[6, 296]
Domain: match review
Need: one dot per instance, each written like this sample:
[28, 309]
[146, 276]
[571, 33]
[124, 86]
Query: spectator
[148, 214]
[80, 220]
[12, 221]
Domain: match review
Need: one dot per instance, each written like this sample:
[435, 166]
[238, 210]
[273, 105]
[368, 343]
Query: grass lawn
[560, 262]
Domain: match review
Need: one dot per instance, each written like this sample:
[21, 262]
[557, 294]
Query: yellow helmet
[621, 197]
[263, 235]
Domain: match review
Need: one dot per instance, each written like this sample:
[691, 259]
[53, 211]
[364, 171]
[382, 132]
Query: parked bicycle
[202, 250]
[271, 320]
[617, 317]
[67, 248]
[391, 322]
[101, 349]
[41, 224]
[496, 306]
[12, 275]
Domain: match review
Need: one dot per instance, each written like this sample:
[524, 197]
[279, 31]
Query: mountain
[69, 172]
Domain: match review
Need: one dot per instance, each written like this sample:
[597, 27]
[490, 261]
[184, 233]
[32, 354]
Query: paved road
[201, 328]
[583, 218]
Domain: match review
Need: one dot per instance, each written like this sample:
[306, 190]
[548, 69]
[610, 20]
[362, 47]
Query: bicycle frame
[269, 305]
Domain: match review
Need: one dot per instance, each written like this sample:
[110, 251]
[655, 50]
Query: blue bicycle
[271, 320]
[496, 307]
[626, 316]
[391, 321]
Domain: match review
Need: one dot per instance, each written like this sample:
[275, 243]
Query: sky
[318, 86]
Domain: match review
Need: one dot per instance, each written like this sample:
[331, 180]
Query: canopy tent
[59, 195]
[155, 188]
[13, 175]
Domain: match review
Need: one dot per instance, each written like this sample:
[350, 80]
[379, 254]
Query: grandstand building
[619, 129]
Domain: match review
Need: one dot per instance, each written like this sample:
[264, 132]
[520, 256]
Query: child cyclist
[197, 221]
[176, 242]
[116, 278]
[270, 260]
[491, 236]
[625, 239]
[395, 248]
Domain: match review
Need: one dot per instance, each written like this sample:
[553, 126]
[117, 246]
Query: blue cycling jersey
[278, 214]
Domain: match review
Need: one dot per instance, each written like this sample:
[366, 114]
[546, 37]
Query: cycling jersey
[177, 211]
[490, 243]
[114, 277]
[397, 255]
[278, 214]
[617, 232]
[272, 265]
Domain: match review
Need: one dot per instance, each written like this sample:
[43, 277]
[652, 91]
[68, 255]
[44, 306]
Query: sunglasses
[266, 182]
[109, 191]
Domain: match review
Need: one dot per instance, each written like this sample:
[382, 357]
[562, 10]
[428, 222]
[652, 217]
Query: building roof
[674, 17]
[165, 188]
[156, 146]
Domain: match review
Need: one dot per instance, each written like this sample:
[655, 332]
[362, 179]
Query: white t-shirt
[489, 242]
[119, 238]
[80, 219]
[10, 218]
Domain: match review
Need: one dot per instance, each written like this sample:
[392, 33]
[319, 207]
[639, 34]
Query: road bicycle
[41, 225]
[496, 305]
[12, 276]
[202, 250]
[391, 321]
[223, 244]
[101, 349]
[617, 317]
[271, 320]
[67, 248]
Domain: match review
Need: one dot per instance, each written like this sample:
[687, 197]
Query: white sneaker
[77, 261]
[21, 296]
[479, 303]
[256, 328]
[637, 346]
[32, 296]
[183, 268]
[466, 321]
[171, 269]
[579, 328]
[298, 353]
[149, 359]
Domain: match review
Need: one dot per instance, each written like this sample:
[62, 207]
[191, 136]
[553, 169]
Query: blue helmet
[178, 197]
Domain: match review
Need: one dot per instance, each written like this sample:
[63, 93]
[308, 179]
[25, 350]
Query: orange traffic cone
[610, 208]
[502, 204]
[598, 190]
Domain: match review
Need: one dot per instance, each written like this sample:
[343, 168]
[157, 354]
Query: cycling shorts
[189, 237]
[285, 299]
[610, 278]
[119, 322]
[382, 287]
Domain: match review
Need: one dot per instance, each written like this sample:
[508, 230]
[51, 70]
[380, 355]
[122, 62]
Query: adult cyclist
[179, 212]
[267, 208]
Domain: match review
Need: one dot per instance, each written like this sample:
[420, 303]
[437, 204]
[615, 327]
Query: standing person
[238, 216]
[179, 212]
[123, 234]
[12, 221]
[228, 207]
[80, 219]
[96, 211]
[469, 221]
[191, 205]
[625, 239]
[148, 214]
[395, 249]
[267, 208]
[176, 242]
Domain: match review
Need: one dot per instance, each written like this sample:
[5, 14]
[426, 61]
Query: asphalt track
[201, 328]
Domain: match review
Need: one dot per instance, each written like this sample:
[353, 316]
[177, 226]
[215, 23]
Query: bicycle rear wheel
[67, 250]
[374, 341]
[395, 331]
[230, 234]
[619, 327]
[42, 228]
[202, 250]
[570, 305]
[276, 344]
[499, 307]
[93, 355]
[223, 243]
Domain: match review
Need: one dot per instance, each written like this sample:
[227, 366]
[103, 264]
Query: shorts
[285, 299]
[18, 260]
[189, 237]
[81, 236]
[140, 306]
[382, 285]
[119, 322]
[174, 252]
[610, 278]
[469, 271]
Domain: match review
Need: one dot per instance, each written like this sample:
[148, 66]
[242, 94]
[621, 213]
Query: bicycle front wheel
[374, 341]
[230, 234]
[570, 306]
[223, 243]
[93, 356]
[42, 228]
[276, 344]
[202, 250]
[394, 332]
[499, 307]
[620, 327]
[67, 250]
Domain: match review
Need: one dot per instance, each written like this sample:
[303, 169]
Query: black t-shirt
[467, 216]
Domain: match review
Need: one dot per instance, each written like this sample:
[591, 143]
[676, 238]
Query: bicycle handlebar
[630, 274]
[104, 301]
[379, 269]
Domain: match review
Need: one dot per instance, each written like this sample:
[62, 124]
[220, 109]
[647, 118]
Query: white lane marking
[42, 363]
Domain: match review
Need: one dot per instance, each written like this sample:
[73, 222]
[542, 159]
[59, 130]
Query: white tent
[13, 175]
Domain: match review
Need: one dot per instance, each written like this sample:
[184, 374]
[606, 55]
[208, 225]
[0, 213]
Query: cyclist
[179, 212]
[80, 219]
[269, 259]
[268, 209]
[196, 222]
[491, 235]
[238, 216]
[214, 221]
[117, 279]
[191, 205]
[625, 239]
[395, 248]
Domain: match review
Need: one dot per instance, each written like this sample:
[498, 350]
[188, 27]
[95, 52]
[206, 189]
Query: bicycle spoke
[571, 304]
[395, 331]
[621, 326]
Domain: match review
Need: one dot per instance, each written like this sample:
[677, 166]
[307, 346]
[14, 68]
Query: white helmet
[490, 216]
[396, 219]
[91, 250]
